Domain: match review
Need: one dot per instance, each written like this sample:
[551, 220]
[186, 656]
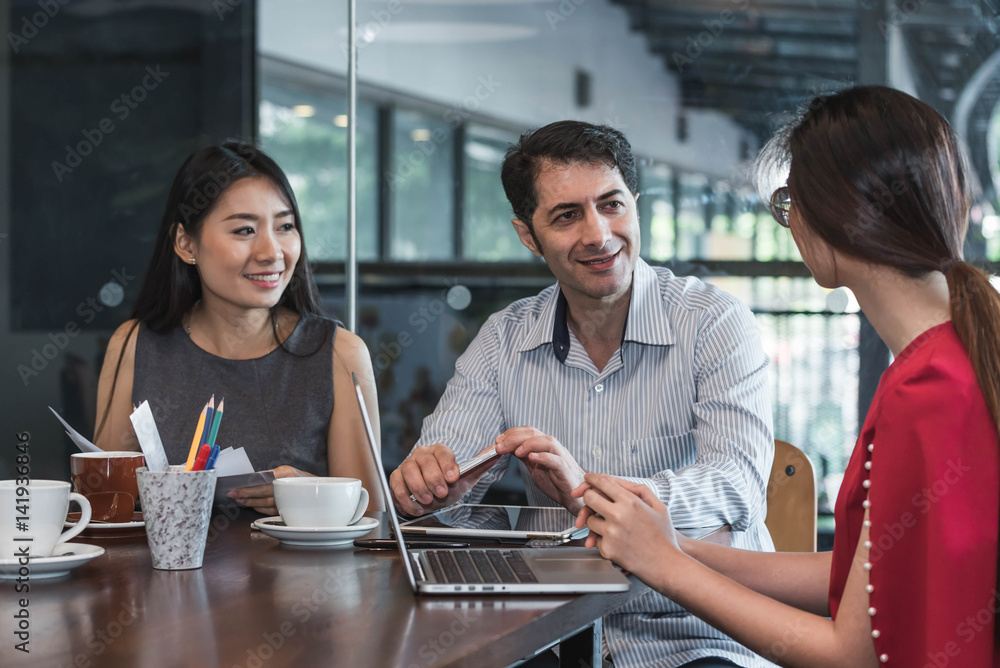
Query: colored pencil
[212, 457]
[215, 423]
[194, 442]
[208, 421]
[202, 458]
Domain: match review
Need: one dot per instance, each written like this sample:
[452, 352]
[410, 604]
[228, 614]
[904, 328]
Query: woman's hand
[628, 524]
[261, 497]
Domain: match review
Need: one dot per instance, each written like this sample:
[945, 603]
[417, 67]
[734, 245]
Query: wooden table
[255, 603]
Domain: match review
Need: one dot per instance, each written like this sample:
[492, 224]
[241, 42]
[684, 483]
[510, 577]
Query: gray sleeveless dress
[277, 407]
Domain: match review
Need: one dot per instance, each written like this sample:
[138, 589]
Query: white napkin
[84, 444]
[149, 438]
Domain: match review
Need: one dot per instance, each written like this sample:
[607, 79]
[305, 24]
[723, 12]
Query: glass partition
[99, 105]
[444, 88]
[486, 214]
[303, 127]
[656, 210]
[422, 187]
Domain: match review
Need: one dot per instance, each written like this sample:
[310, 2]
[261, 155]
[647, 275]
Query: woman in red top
[877, 200]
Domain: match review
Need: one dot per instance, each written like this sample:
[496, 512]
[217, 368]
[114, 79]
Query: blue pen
[212, 457]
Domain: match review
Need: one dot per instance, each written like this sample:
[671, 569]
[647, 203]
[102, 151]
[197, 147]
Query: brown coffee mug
[107, 479]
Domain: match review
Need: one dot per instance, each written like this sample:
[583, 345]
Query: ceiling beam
[804, 8]
[693, 46]
[844, 26]
[765, 80]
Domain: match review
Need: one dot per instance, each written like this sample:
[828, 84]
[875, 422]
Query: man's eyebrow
[617, 192]
[253, 216]
[562, 206]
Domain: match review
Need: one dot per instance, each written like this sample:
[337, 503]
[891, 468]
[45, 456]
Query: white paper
[233, 462]
[149, 438]
[84, 444]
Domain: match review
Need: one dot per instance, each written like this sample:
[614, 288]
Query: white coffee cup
[32, 517]
[320, 502]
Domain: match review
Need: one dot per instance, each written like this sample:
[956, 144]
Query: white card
[84, 444]
[233, 462]
[149, 438]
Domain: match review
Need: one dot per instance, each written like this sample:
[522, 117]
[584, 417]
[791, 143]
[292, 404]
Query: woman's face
[248, 246]
[816, 253]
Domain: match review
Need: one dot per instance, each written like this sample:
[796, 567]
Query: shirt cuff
[658, 487]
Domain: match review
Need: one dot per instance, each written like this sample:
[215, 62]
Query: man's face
[586, 227]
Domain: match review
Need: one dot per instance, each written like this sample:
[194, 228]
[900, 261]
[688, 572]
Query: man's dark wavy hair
[563, 143]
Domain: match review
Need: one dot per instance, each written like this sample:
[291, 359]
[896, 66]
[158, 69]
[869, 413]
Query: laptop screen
[390, 506]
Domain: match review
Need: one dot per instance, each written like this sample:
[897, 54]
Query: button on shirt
[682, 407]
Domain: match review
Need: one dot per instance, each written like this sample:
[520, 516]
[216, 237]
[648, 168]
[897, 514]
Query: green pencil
[215, 423]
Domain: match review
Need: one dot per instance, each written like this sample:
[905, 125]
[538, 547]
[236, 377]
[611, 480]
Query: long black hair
[172, 287]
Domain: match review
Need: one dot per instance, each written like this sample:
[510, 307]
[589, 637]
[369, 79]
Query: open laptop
[495, 570]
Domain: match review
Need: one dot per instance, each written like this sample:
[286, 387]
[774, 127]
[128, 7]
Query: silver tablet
[473, 520]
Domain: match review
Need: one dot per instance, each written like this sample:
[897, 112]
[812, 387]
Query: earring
[192, 260]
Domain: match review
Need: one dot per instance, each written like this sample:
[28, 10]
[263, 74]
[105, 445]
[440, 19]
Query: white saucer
[315, 536]
[68, 556]
[106, 526]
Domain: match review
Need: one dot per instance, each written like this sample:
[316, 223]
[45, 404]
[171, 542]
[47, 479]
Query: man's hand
[430, 476]
[261, 497]
[552, 467]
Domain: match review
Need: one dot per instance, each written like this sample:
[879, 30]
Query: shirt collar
[647, 319]
[646, 322]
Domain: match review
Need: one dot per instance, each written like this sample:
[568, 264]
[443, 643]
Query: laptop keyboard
[479, 566]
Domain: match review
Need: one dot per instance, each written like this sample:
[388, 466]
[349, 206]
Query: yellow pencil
[194, 441]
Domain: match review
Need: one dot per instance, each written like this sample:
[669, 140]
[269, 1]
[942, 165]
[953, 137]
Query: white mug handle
[84, 518]
[362, 507]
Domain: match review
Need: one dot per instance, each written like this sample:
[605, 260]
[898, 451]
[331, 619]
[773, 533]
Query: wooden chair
[791, 500]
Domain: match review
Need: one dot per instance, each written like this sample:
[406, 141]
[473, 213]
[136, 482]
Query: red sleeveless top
[929, 448]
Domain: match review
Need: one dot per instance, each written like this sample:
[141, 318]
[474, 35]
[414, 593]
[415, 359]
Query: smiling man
[619, 368]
